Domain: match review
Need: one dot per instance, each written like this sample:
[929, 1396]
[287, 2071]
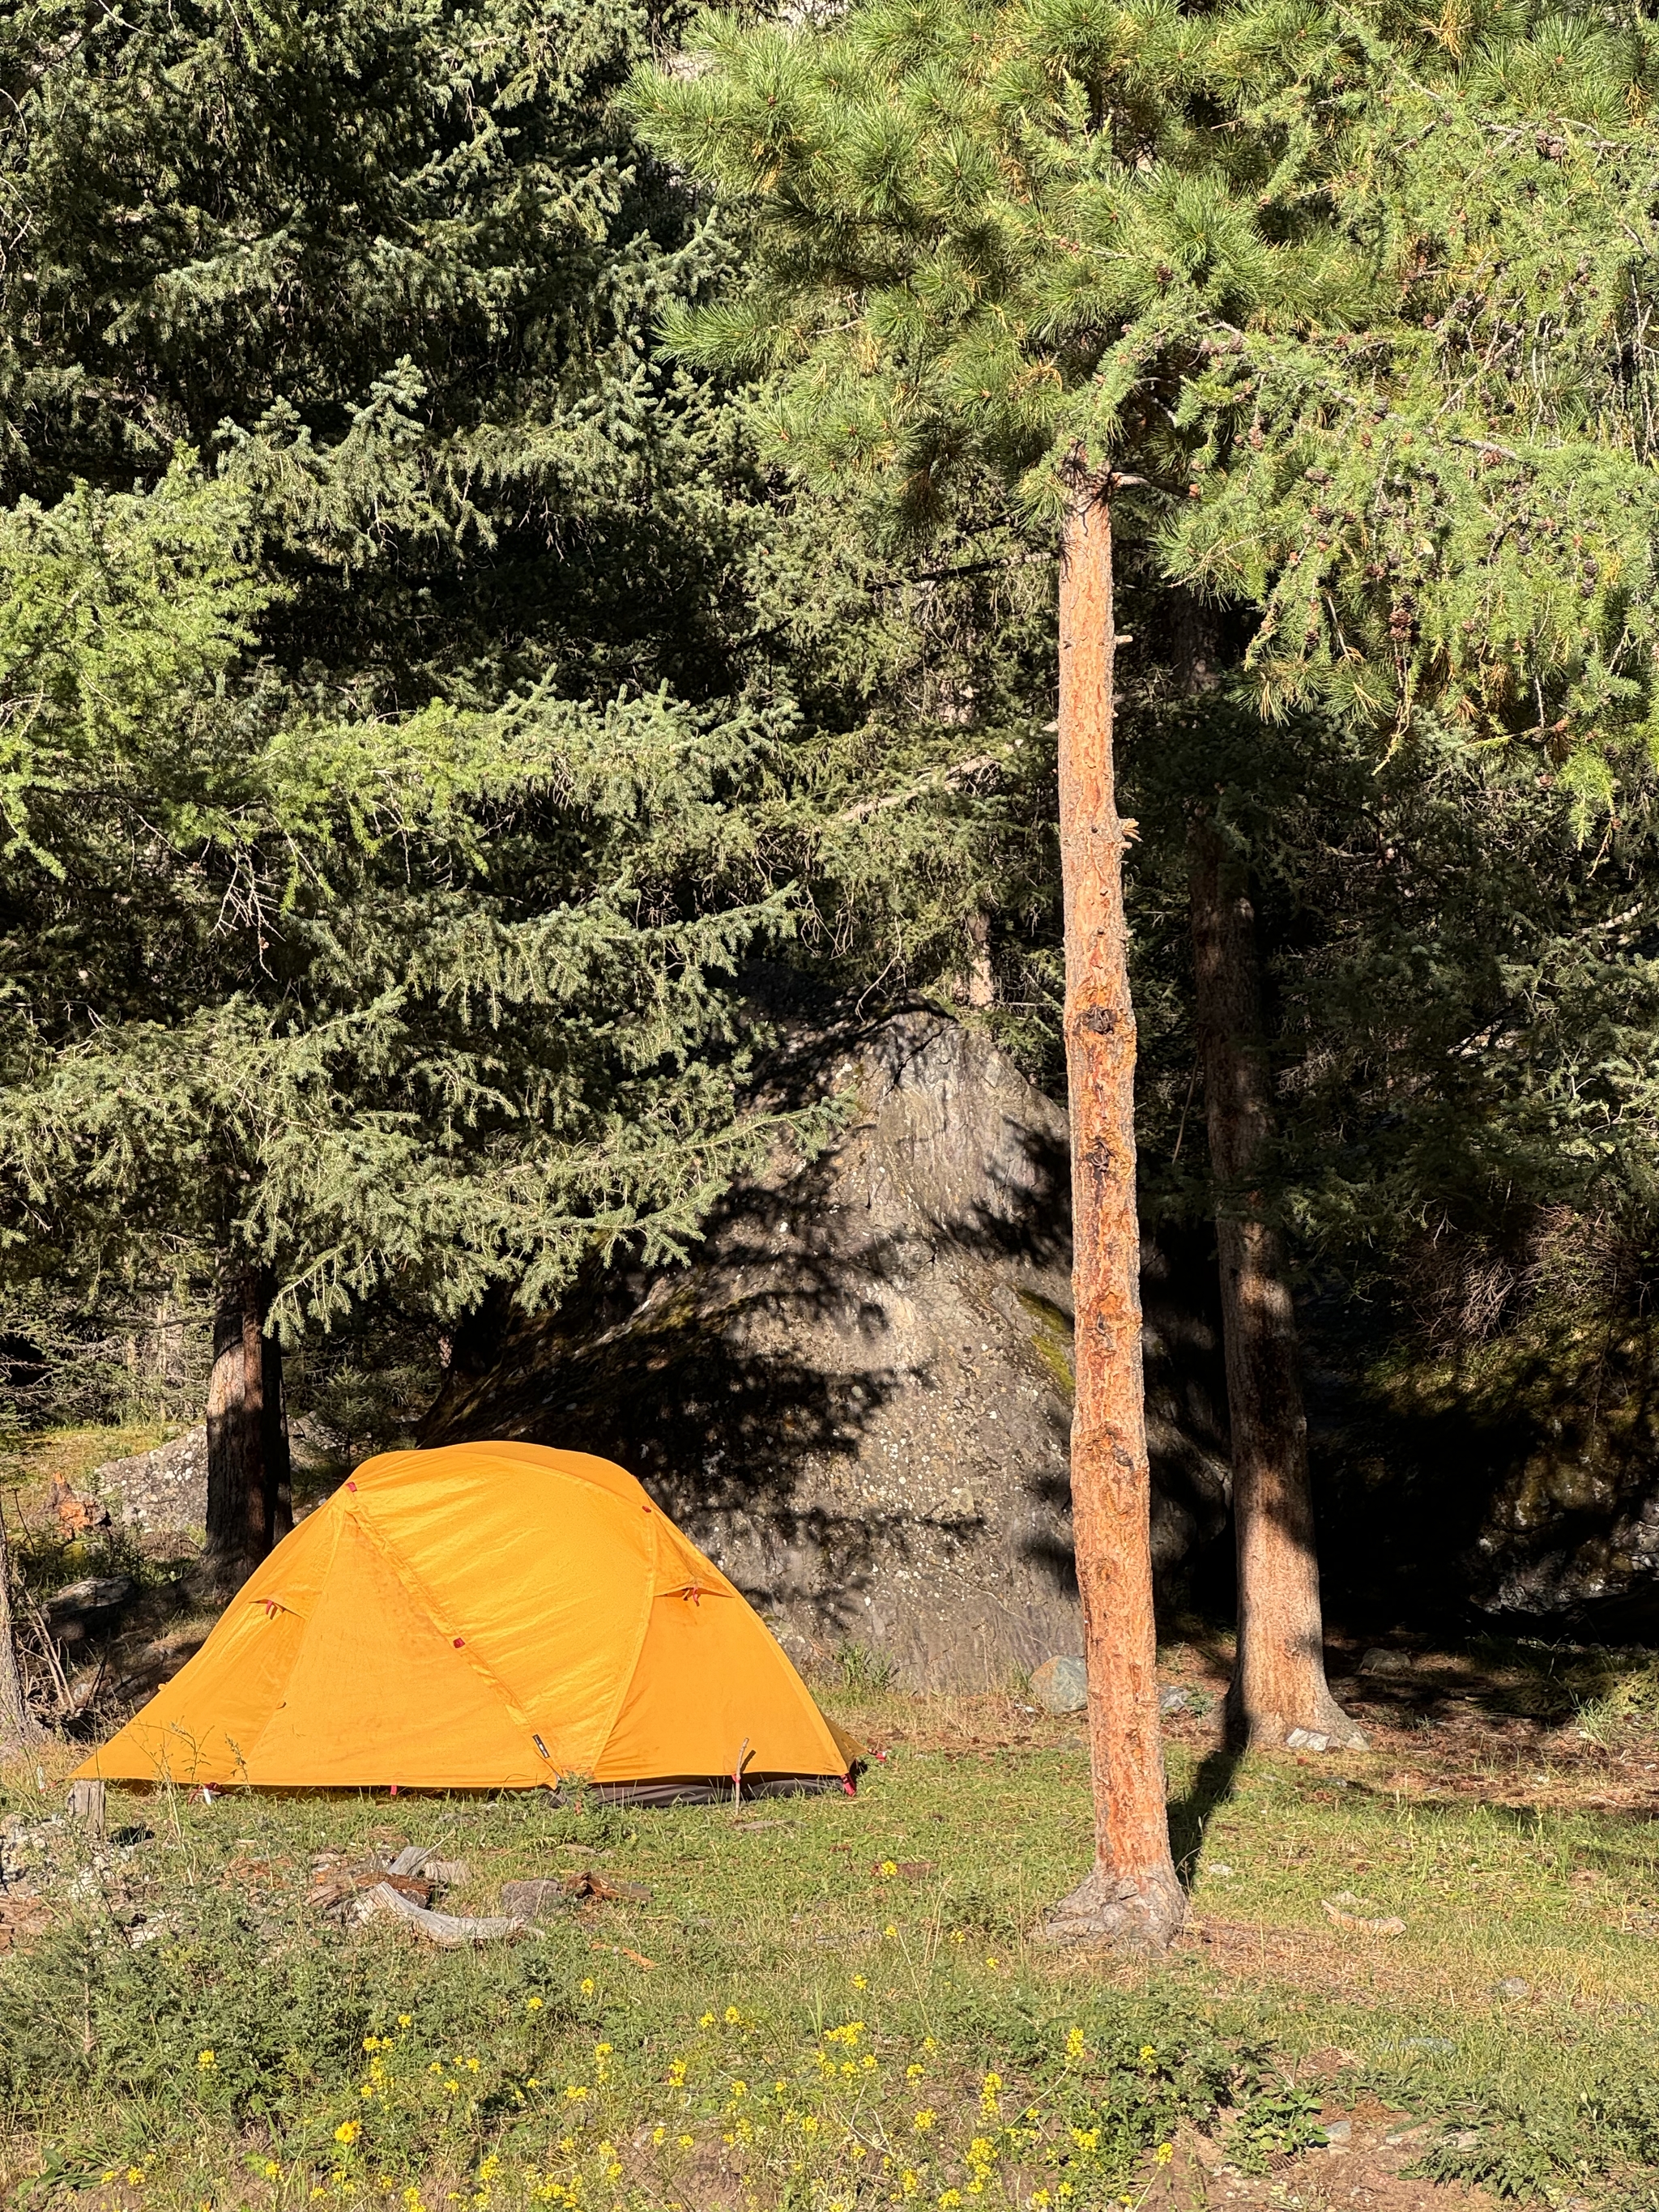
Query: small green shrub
[1277, 2123]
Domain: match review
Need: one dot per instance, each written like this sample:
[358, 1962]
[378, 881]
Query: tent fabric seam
[416, 1588]
[631, 1675]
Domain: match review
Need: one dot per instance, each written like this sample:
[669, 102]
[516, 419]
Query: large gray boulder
[857, 1397]
[161, 1490]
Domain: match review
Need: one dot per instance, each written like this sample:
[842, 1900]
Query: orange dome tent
[484, 1616]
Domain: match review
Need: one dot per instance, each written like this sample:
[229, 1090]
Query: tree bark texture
[250, 1496]
[1278, 1675]
[1130, 1898]
[18, 1726]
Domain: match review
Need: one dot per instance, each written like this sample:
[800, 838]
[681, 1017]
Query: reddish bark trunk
[250, 1499]
[1130, 1898]
[1278, 1676]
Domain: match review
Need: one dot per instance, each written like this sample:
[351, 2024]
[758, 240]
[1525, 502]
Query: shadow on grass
[1191, 1813]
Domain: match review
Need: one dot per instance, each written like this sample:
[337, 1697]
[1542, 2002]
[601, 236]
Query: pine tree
[373, 888]
[1069, 247]
[971, 267]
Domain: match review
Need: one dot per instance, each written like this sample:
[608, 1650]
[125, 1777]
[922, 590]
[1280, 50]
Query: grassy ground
[837, 2003]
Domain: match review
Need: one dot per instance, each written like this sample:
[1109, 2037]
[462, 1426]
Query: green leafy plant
[1277, 2123]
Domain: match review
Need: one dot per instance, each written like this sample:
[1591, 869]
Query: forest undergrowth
[1407, 1971]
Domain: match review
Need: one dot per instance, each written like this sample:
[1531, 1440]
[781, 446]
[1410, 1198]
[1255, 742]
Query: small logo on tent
[541, 1747]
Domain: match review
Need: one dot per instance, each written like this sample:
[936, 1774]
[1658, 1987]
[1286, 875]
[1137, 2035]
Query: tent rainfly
[486, 1616]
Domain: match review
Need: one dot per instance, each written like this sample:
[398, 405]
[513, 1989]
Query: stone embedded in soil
[534, 1900]
[1060, 1685]
[69, 1610]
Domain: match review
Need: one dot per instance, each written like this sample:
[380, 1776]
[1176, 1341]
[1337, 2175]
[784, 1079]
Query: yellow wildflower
[207, 2060]
[347, 2131]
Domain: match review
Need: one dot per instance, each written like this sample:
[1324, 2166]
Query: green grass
[803, 2004]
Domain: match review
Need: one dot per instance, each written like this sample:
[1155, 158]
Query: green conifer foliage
[1365, 298]
[371, 886]
[1443, 504]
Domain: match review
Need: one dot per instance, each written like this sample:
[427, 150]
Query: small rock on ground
[1060, 1685]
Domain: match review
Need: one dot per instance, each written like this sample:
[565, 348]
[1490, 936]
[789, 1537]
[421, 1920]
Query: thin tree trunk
[1278, 1676]
[250, 1496]
[1130, 1898]
[18, 1727]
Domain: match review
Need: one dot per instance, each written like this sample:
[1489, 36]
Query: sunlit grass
[821, 1974]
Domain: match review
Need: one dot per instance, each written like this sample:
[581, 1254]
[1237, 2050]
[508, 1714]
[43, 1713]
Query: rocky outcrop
[857, 1397]
[163, 1490]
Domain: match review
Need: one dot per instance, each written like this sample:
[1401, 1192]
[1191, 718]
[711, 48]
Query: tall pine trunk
[1131, 1897]
[1278, 1676]
[250, 1496]
[18, 1726]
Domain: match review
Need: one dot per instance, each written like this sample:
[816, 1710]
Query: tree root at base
[1326, 1728]
[1120, 1912]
